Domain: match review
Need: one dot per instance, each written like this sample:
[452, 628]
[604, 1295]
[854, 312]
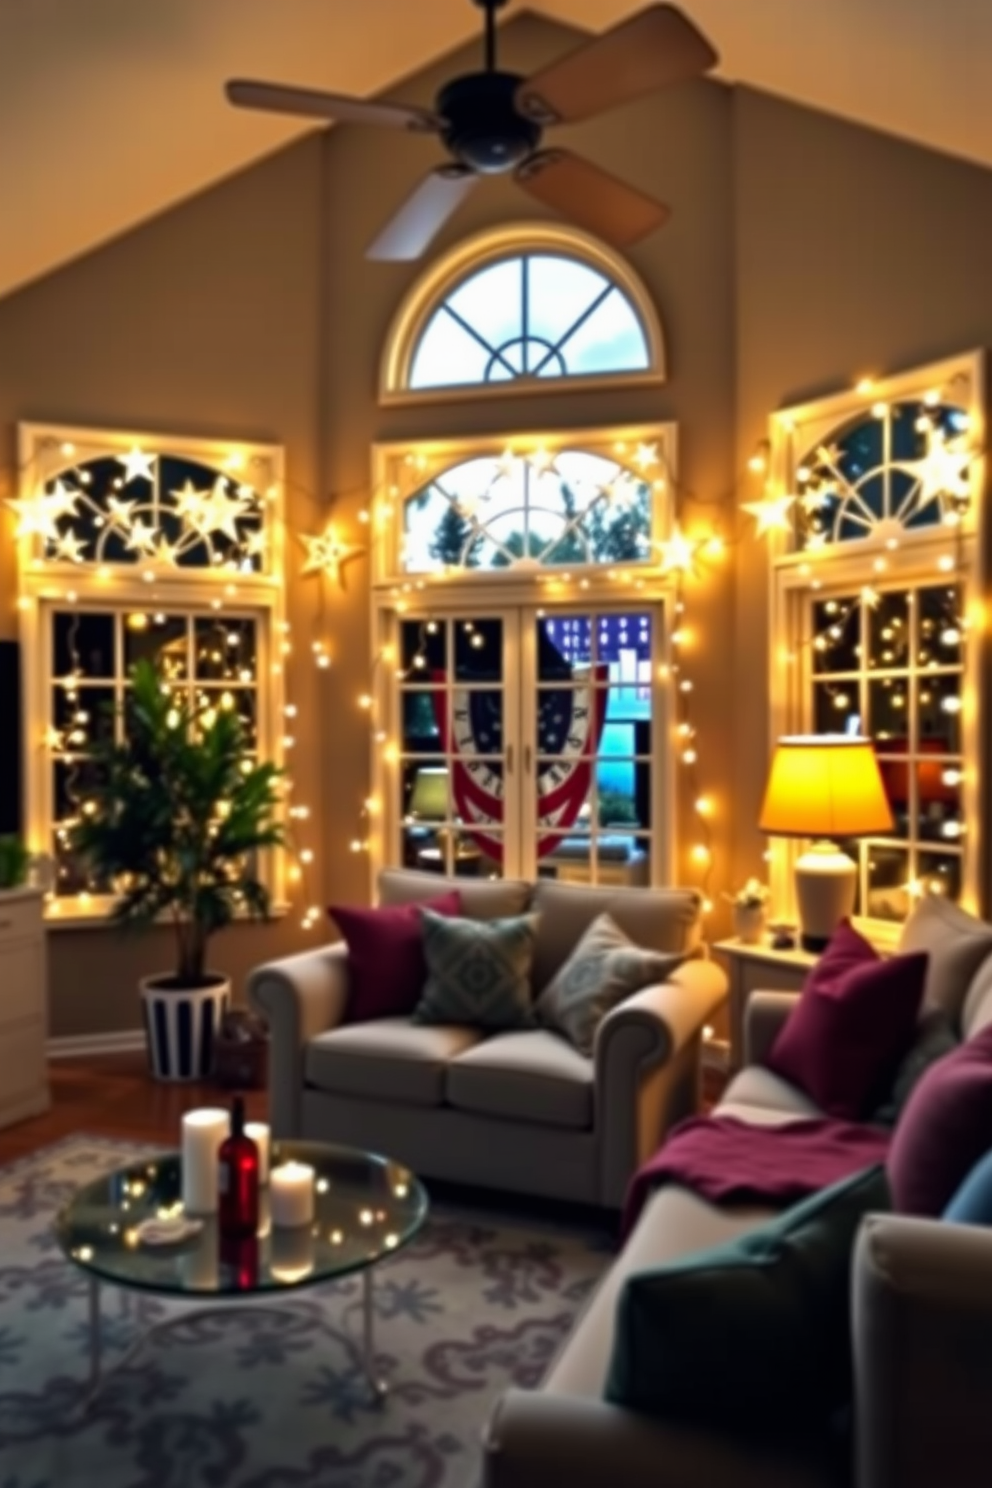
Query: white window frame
[921, 556]
[476, 253]
[396, 594]
[401, 468]
[49, 585]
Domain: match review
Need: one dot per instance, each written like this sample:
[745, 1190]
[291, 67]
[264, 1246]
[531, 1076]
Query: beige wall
[857, 255]
[202, 322]
[802, 251]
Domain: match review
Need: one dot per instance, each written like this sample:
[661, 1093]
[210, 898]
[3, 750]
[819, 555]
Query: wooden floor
[113, 1095]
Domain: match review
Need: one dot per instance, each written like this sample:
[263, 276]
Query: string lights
[173, 557]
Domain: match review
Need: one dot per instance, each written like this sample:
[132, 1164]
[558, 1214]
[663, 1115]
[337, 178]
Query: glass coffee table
[366, 1209]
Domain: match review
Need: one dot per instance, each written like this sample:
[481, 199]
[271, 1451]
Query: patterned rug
[272, 1397]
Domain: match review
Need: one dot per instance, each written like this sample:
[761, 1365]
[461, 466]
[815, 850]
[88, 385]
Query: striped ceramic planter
[181, 1025]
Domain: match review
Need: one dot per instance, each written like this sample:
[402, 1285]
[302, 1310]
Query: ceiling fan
[492, 123]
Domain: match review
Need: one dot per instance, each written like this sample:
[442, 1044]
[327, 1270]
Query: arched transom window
[526, 305]
[573, 507]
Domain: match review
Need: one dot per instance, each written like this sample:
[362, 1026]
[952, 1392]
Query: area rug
[272, 1397]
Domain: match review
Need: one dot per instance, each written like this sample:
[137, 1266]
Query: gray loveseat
[922, 1314]
[522, 1111]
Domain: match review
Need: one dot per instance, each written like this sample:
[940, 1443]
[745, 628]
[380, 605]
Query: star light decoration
[679, 553]
[73, 515]
[327, 553]
[771, 514]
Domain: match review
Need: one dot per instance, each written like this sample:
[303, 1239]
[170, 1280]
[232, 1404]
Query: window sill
[97, 916]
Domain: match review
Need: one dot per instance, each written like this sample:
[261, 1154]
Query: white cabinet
[23, 1006]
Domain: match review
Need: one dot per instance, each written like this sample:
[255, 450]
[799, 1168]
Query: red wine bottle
[237, 1178]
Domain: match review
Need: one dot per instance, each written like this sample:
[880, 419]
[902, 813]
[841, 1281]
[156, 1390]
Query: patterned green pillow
[478, 972]
[605, 967]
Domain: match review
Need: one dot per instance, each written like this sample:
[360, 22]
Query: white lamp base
[826, 884]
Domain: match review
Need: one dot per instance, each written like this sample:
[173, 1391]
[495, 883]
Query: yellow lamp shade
[429, 797]
[825, 785]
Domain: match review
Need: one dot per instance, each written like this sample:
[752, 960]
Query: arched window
[514, 511]
[903, 467]
[525, 305]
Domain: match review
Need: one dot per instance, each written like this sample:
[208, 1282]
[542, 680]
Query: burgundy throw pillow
[854, 1021]
[945, 1127]
[386, 965]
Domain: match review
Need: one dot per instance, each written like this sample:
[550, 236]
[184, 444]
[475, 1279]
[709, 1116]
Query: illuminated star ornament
[678, 553]
[36, 516]
[771, 514]
[137, 465]
[943, 471]
[327, 554]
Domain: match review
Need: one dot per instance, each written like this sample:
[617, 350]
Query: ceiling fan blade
[651, 49]
[277, 98]
[590, 197]
[423, 214]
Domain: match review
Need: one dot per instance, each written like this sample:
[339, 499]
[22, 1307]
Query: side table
[757, 968]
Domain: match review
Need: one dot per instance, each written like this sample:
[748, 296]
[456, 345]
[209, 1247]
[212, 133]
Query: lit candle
[292, 1253]
[259, 1134]
[291, 1190]
[203, 1132]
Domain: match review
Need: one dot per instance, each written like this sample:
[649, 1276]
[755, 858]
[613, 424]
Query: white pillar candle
[292, 1253]
[291, 1191]
[259, 1134]
[203, 1132]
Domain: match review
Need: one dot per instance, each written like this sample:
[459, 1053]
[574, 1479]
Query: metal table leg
[378, 1385]
[96, 1336]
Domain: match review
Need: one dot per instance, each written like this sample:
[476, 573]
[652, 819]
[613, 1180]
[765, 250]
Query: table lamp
[824, 786]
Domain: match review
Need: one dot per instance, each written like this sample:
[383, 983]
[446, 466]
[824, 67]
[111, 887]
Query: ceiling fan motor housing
[482, 126]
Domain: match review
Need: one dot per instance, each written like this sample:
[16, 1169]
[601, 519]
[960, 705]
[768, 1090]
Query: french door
[529, 741]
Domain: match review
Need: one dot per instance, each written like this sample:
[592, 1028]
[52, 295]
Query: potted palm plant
[173, 825]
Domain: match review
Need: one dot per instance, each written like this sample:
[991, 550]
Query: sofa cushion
[659, 919]
[482, 898]
[752, 1337]
[673, 1223]
[533, 1076]
[943, 1131]
[478, 972]
[390, 1060]
[604, 968]
[977, 1011]
[386, 966]
[854, 1021]
[972, 1201]
[957, 944]
[935, 1037]
[762, 1088]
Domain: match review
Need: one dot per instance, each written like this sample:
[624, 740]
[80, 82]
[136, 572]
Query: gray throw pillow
[478, 972]
[935, 1037]
[604, 968]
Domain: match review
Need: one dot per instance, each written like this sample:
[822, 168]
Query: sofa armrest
[301, 996]
[922, 1322]
[536, 1438]
[763, 1017]
[647, 1068]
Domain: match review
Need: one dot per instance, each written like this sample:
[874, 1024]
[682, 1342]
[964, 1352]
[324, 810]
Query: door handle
[526, 759]
[509, 759]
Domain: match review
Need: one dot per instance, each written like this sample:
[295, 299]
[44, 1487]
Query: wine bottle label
[224, 1178]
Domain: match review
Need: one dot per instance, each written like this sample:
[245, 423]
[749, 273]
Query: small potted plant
[750, 910]
[173, 824]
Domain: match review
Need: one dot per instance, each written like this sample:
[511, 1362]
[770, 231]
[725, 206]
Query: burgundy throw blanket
[726, 1160]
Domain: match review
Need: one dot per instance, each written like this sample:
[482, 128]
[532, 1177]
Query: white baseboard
[77, 1045]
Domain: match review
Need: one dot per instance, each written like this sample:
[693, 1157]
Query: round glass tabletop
[366, 1207]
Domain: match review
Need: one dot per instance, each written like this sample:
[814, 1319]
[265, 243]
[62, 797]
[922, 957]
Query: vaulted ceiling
[112, 110]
